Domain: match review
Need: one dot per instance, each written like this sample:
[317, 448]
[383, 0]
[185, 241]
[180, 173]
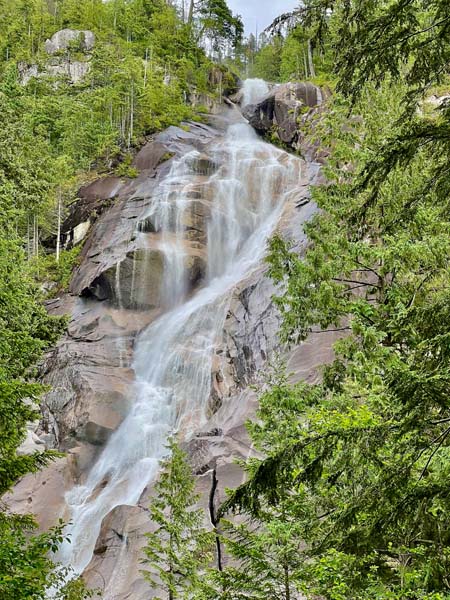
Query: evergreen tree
[268, 60]
[264, 557]
[181, 547]
[370, 443]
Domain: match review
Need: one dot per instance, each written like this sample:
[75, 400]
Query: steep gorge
[171, 321]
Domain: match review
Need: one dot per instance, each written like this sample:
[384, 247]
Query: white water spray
[253, 91]
[173, 356]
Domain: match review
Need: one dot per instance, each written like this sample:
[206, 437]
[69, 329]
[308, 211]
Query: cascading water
[173, 356]
[254, 90]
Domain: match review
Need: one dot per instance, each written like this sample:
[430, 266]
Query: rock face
[123, 248]
[74, 71]
[90, 370]
[284, 109]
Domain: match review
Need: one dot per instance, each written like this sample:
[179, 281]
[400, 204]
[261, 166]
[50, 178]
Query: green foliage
[287, 53]
[59, 273]
[144, 65]
[267, 61]
[363, 456]
[125, 168]
[267, 555]
[26, 329]
[219, 24]
[180, 546]
[26, 567]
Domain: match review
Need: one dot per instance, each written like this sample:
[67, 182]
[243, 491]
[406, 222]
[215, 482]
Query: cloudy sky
[260, 12]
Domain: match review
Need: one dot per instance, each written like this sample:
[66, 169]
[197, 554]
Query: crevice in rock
[214, 519]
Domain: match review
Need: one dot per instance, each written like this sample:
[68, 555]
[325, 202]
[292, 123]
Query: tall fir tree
[180, 548]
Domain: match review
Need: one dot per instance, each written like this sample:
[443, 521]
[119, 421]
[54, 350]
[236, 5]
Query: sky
[260, 13]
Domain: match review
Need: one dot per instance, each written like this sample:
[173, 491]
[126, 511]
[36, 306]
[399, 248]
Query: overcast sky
[260, 13]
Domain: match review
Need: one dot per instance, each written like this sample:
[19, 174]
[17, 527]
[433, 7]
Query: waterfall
[253, 91]
[247, 182]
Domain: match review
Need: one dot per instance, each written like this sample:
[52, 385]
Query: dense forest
[350, 496]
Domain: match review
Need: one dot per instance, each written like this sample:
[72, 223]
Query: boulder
[281, 109]
[62, 40]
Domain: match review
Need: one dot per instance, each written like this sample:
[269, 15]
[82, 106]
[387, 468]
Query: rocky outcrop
[74, 71]
[285, 110]
[121, 266]
[248, 343]
[61, 64]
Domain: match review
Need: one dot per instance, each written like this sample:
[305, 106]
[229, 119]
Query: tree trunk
[191, 12]
[131, 127]
[145, 68]
[58, 234]
[312, 71]
[28, 239]
[287, 590]
[36, 242]
[305, 65]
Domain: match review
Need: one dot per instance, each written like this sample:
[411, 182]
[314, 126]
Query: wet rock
[95, 434]
[116, 566]
[202, 164]
[195, 219]
[119, 206]
[135, 282]
[146, 226]
[150, 156]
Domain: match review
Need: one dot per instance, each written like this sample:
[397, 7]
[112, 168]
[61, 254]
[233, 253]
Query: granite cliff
[117, 293]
